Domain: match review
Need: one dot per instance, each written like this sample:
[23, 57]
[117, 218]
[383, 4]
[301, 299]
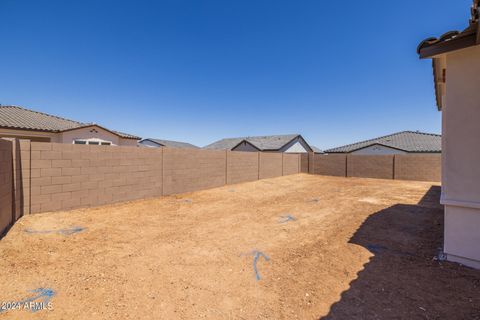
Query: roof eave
[455, 44]
[29, 129]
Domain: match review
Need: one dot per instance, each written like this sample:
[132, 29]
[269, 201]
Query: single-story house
[18, 122]
[150, 142]
[288, 143]
[414, 142]
[456, 75]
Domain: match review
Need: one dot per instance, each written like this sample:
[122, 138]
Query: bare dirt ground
[333, 248]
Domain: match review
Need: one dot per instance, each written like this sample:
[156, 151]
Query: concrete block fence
[6, 185]
[59, 176]
[39, 177]
[424, 167]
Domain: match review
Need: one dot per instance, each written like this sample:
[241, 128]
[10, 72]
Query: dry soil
[324, 248]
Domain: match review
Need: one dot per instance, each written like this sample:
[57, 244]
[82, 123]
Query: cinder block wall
[242, 166]
[21, 177]
[188, 170]
[64, 176]
[402, 167]
[6, 185]
[418, 167]
[380, 167]
[329, 165]
[291, 164]
[270, 165]
[304, 162]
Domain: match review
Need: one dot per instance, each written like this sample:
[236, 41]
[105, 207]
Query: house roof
[453, 40]
[316, 150]
[263, 143]
[449, 41]
[408, 141]
[172, 144]
[14, 117]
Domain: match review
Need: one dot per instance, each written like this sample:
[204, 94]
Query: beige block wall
[304, 162]
[6, 185]
[67, 176]
[378, 166]
[188, 170]
[291, 163]
[55, 176]
[329, 165]
[270, 165]
[418, 167]
[21, 162]
[242, 166]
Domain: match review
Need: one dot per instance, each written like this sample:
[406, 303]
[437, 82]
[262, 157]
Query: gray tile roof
[409, 141]
[316, 150]
[172, 144]
[15, 117]
[263, 143]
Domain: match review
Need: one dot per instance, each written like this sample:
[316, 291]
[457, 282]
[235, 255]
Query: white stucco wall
[461, 156]
[89, 133]
[378, 149]
[296, 148]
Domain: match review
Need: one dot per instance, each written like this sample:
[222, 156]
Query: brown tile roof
[15, 117]
[453, 40]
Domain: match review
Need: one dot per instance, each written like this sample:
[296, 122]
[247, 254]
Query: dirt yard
[302, 246]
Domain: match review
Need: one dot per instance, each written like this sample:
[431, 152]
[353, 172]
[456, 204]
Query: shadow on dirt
[403, 280]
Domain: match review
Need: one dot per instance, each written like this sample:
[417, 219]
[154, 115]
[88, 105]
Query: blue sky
[200, 70]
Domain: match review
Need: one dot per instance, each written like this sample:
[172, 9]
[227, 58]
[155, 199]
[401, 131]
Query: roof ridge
[43, 113]
[421, 132]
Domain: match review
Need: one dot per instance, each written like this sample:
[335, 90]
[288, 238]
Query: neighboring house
[289, 143]
[398, 143]
[150, 142]
[316, 150]
[17, 122]
[456, 69]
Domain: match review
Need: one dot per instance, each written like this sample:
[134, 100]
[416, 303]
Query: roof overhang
[451, 41]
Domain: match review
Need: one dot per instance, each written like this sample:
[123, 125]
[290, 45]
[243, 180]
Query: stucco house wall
[87, 133]
[37, 136]
[378, 149]
[297, 147]
[461, 156]
[91, 132]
